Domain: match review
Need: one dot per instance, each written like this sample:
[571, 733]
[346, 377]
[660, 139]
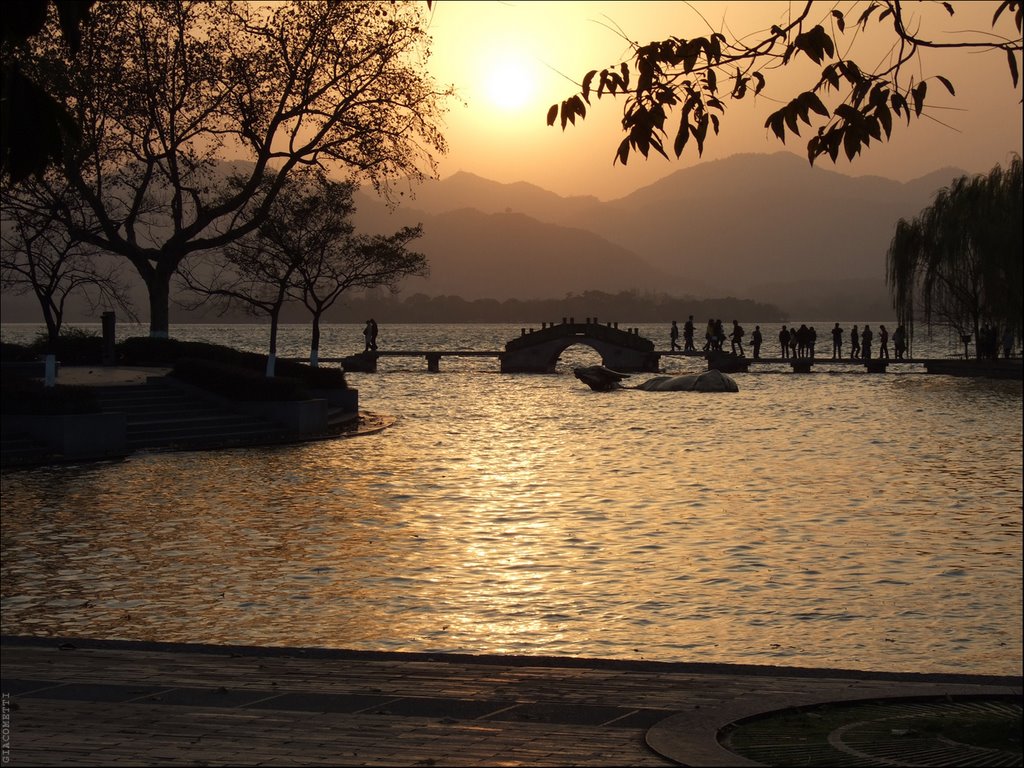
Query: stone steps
[161, 416]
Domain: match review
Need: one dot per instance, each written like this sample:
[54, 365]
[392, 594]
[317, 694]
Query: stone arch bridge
[538, 351]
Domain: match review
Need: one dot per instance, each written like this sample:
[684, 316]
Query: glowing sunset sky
[537, 50]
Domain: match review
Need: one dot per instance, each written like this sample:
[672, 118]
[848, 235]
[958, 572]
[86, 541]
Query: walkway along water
[537, 351]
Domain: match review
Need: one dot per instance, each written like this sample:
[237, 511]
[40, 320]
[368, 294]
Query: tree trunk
[272, 356]
[159, 287]
[53, 321]
[314, 344]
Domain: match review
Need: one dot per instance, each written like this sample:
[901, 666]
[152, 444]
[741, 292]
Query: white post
[51, 370]
[314, 356]
[271, 359]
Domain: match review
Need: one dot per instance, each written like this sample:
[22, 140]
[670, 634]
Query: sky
[510, 61]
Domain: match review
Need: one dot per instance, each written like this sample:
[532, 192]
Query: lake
[833, 519]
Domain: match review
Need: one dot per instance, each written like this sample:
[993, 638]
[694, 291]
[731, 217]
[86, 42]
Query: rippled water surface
[833, 519]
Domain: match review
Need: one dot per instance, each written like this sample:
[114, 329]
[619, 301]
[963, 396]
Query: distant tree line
[625, 306]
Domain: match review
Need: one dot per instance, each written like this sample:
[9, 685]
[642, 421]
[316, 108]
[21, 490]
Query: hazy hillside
[510, 255]
[768, 227]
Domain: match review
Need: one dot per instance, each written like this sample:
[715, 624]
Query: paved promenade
[124, 703]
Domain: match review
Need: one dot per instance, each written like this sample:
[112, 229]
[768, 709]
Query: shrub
[237, 382]
[143, 350]
[25, 396]
[148, 351]
[74, 346]
[16, 353]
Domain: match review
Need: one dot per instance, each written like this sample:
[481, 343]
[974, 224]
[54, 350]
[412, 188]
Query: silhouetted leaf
[811, 100]
[918, 94]
[586, 84]
[699, 132]
[775, 122]
[851, 143]
[682, 136]
[552, 114]
[760, 82]
[622, 155]
[863, 20]
[949, 8]
[999, 12]
[873, 129]
[712, 79]
[945, 82]
[847, 113]
[885, 118]
[840, 21]
[790, 115]
[831, 75]
[1013, 67]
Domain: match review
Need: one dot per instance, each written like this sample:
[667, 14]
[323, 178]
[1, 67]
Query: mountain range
[765, 227]
[770, 228]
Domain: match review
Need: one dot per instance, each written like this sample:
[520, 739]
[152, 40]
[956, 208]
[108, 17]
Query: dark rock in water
[602, 379]
[599, 378]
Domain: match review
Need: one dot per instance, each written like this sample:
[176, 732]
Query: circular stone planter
[904, 732]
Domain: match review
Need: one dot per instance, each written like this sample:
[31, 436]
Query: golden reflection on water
[829, 520]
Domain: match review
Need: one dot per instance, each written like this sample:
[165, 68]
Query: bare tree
[163, 93]
[305, 250]
[337, 260]
[39, 256]
[847, 103]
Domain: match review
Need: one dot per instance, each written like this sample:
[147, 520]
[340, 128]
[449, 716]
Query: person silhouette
[784, 337]
[755, 340]
[737, 337]
[865, 342]
[674, 336]
[370, 335]
[854, 344]
[688, 330]
[899, 340]
[837, 342]
[883, 343]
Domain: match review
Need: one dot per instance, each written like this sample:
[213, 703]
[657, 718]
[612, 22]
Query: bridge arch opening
[577, 355]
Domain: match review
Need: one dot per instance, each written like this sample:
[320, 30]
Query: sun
[509, 82]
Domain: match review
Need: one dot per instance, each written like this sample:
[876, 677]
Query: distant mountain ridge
[769, 228]
[759, 226]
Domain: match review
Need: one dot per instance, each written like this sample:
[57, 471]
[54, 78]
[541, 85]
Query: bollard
[51, 371]
[522, 331]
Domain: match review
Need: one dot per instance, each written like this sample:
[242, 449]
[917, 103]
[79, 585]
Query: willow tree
[164, 94]
[959, 262]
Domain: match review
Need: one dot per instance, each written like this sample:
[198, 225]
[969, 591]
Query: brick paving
[124, 703]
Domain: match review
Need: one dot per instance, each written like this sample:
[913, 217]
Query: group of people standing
[714, 337]
[794, 342]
